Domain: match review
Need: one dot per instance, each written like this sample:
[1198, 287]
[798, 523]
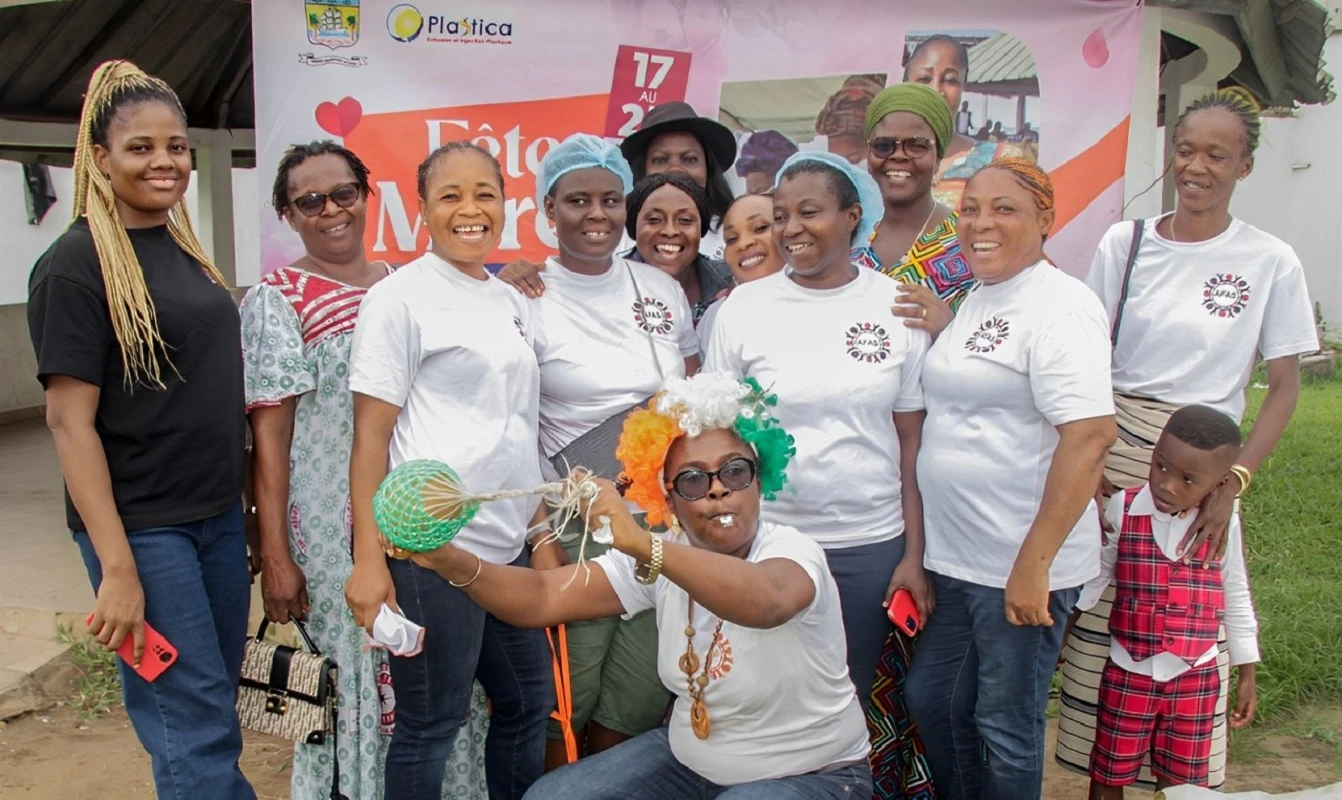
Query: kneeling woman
[746, 611]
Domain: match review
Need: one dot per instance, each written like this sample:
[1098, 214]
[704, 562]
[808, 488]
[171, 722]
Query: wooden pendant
[689, 663]
[699, 718]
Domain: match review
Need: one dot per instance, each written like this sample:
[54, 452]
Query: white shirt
[595, 339]
[454, 353]
[1020, 358]
[779, 699]
[841, 365]
[1240, 622]
[1198, 313]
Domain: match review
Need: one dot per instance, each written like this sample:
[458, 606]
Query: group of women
[845, 437]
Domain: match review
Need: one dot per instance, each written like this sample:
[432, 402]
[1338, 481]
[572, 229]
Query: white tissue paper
[396, 634]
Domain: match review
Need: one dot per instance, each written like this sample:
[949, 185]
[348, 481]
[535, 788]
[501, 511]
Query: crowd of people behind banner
[842, 392]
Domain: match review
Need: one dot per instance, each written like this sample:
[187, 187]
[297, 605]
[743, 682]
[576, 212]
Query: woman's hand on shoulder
[525, 277]
[922, 309]
[1212, 525]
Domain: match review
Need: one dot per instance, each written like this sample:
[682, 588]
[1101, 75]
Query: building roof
[1281, 44]
[999, 59]
[202, 48]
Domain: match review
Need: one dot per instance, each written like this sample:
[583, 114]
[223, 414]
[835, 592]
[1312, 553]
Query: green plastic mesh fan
[421, 505]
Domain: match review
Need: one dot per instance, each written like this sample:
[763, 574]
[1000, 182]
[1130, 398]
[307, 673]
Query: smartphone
[903, 612]
[159, 654]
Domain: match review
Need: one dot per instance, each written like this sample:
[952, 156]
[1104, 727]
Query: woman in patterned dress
[296, 330]
[908, 127]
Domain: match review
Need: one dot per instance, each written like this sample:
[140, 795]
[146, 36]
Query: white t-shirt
[455, 355]
[779, 699]
[841, 365]
[1198, 313]
[595, 338]
[1020, 358]
[705, 329]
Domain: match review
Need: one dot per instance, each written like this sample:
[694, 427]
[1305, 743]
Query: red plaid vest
[1162, 605]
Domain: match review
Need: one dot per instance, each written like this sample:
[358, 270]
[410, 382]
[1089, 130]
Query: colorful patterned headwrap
[1029, 175]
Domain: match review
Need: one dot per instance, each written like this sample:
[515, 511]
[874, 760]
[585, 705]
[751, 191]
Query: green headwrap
[917, 99]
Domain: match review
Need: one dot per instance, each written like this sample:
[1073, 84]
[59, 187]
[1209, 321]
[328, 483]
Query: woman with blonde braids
[1228, 294]
[138, 348]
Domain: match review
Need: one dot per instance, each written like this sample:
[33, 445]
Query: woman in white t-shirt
[1203, 297]
[848, 375]
[609, 332]
[747, 613]
[750, 252]
[442, 368]
[1019, 417]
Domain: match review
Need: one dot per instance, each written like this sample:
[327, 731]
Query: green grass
[1293, 542]
[97, 689]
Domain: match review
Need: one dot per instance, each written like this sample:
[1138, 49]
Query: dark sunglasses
[695, 484]
[310, 205]
[885, 146]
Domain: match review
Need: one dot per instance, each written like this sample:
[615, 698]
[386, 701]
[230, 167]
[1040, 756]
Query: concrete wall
[1292, 193]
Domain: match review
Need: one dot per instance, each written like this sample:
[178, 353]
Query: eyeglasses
[695, 484]
[310, 205]
[885, 146]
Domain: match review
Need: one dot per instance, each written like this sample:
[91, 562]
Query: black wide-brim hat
[675, 117]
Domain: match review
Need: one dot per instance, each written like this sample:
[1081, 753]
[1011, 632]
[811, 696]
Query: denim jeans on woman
[196, 593]
[463, 644]
[645, 768]
[978, 689]
[862, 574]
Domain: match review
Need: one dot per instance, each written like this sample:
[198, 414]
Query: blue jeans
[862, 575]
[979, 683]
[196, 592]
[644, 767]
[463, 644]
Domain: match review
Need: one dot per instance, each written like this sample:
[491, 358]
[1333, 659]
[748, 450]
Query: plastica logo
[405, 23]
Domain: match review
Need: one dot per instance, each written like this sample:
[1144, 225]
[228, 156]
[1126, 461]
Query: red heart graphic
[339, 119]
[1095, 49]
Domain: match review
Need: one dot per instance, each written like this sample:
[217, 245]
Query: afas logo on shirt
[867, 341]
[653, 316]
[1225, 295]
[990, 334]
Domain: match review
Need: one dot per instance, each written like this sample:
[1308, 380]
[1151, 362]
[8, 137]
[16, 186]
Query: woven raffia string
[422, 505]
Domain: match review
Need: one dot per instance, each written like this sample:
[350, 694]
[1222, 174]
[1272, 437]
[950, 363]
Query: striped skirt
[1140, 422]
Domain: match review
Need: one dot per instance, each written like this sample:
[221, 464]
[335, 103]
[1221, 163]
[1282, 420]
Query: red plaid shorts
[1172, 721]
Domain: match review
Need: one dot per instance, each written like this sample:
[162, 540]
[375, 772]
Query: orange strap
[563, 713]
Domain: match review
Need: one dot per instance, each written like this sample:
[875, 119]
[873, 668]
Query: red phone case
[903, 612]
[159, 654]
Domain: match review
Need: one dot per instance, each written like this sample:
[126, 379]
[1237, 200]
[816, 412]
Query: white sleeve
[1105, 278]
[1288, 320]
[689, 340]
[723, 353]
[910, 397]
[808, 555]
[1240, 621]
[619, 569]
[385, 353]
[1090, 593]
[1069, 368]
[705, 329]
[535, 327]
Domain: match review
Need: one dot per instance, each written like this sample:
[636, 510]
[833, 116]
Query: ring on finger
[923, 312]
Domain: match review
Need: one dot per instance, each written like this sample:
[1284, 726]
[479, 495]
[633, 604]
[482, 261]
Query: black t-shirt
[175, 454]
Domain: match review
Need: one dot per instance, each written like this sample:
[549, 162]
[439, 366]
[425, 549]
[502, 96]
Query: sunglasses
[695, 484]
[310, 205]
[885, 146]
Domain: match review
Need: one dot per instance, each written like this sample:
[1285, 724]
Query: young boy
[1160, 685]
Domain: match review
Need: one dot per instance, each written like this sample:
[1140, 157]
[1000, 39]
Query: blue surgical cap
[580, 151]
[868, 193]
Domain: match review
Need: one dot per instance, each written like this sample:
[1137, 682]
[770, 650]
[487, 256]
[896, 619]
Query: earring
[675, 524]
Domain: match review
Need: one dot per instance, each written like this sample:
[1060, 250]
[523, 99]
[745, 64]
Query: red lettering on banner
[518, 134]
[644, 77]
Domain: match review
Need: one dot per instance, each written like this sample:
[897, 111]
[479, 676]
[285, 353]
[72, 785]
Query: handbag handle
[1138, 227]
[302, 631]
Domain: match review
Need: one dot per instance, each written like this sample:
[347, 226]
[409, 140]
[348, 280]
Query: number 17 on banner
[644, 78]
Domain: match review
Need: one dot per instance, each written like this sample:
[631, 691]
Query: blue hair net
[868, 193]
[580, 151]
